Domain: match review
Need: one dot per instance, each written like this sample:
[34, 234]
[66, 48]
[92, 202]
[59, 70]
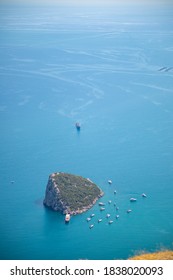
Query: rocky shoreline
[68, 193]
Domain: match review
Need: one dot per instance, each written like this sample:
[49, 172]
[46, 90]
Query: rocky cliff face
[71, 194]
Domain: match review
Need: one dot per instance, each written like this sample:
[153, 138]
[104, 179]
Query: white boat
[102, 209]
[109, 182]
[92, 215]
[129, 210]
[67, 218]
[117, 216]
[132, 199]
[88, 219]
[109, 201]
[117, 208]
[110, 222]
[115, 191]
[91, 226]
[99, 220]
[144, 195]
[108, 215]
[101, 204]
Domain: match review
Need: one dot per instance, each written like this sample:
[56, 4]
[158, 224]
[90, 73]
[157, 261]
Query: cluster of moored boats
[103, 207]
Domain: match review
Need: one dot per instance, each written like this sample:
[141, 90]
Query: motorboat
[117, 216]
[92, 215]
[110, 222]
[88, 219]
[132, 199]
[102, 209]
[144, 195]
[108, 215]
[91, 226]
[67, 218]
[99, 220]
[109, 182]
[101, 204]
[78, 126]
[129, 210]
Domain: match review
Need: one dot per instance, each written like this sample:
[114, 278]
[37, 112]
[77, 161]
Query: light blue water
[99, 67]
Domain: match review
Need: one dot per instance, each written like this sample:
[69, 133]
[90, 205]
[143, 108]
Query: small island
[70, 194]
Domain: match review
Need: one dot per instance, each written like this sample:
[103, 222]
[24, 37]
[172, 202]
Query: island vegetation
[69, 193]
[161, 255]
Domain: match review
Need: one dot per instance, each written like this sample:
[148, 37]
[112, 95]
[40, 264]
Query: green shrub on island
[69, 193]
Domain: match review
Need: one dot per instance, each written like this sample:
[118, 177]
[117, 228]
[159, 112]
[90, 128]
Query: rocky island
[71, 194]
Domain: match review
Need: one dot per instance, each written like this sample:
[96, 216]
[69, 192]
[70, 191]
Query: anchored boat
[133, 199]
[101, 204]
[67, 218]
[78, 126]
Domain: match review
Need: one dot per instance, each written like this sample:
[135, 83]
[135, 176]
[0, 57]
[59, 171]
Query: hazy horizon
[87, 2]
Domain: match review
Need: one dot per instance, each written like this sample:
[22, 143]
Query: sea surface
[110, 68]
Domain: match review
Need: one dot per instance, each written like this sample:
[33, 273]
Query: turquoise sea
[101, 66]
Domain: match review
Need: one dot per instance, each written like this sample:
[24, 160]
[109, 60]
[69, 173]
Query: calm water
[100, 67]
